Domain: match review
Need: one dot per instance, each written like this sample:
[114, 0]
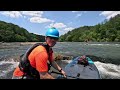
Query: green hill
[13, 33]
[107, 31]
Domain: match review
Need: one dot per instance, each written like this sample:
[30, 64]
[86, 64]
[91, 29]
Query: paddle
[66, 75]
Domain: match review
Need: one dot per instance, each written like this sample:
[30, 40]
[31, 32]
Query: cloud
[32, 13]
[85, 12]
[17, 14]
[13, 14]
[78, 15]
[75, 11]
[70, 23]
[24, 17]
[68, 29]
[58, 25]
[61, 26]
[109, 14]
[32, 16]
[78, 11]
[40, 20]
[65, 30]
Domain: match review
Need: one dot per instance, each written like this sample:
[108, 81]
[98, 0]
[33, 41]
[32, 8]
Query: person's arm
[57, 67]
[53, 63]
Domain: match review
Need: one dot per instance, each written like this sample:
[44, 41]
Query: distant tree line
[13, 33]
[107, 31]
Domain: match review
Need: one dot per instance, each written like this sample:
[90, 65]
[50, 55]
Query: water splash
[66, 61]
[108, 70]
[6, 67]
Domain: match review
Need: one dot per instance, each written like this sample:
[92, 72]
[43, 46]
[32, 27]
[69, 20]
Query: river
[106, 56]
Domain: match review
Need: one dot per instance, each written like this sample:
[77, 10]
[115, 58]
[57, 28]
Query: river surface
[106, 56]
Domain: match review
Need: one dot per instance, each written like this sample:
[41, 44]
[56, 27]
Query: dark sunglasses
[53, 38]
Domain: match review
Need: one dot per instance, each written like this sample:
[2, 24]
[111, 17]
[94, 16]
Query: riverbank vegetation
[107, 31]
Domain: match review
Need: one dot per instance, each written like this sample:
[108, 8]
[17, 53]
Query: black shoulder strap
[46, 46]
[34, 46]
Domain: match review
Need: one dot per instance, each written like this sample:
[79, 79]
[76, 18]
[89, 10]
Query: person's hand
[64, 74]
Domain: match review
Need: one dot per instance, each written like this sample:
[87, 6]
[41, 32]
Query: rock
[61, 57]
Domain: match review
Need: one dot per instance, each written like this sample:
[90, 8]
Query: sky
[38, 22]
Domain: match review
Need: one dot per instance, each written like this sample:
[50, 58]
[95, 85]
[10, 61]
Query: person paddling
[34, 63]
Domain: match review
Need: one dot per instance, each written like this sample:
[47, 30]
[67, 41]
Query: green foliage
[13, 33]
[107, 31]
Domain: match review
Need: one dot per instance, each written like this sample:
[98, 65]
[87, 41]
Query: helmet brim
[52, 36]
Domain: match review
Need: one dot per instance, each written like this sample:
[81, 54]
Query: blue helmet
[52, 32]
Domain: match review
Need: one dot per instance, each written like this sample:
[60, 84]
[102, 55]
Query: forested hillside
[107, 31]
[13, 33]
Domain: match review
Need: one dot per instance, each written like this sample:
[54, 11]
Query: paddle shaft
[66, 75]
